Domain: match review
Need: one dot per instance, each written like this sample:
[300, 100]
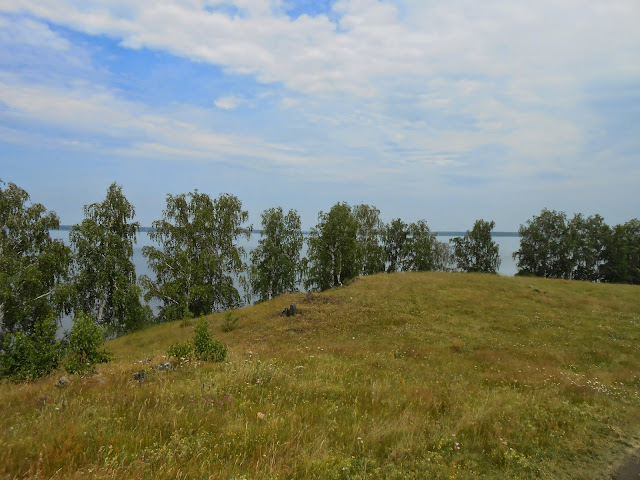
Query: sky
[447, 111]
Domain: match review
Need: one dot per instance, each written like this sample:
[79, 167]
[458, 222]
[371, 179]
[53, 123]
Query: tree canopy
[420, 248]
[588, 238]
[395, 237]
[33, 266]
[276, 265]
[370, 251]
[622, 254]
[333, 248]
[197, 259]
[476, 251]
[545, 248]
[104, 272]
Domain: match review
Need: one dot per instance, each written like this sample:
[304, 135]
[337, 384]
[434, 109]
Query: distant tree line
[581, 248]
[198, 266]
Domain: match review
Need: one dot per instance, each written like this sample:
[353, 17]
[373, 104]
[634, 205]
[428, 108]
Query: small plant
[26, 356]
[84, 345]
[230, 322]
[181, 351]
[206, 348]
[202, 347]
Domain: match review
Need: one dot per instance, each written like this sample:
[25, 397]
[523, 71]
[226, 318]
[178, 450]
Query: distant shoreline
[66, 228]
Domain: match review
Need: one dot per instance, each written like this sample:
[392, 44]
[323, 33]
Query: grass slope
[428, 375]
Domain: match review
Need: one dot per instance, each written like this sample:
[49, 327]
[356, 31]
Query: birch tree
[371, 255]
[104, 272]
[33, 266]
[198, 259]
[275, 263]
[333, 248]
[476, 251]
[545, 246]
[395, 237]
[420, 248]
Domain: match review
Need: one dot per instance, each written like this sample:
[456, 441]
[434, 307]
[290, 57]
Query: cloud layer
[454, 98]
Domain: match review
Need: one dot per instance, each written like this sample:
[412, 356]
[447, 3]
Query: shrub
[181, 351]
[83, 348]
[202, 347]
[229, 322]
[26, 356]
[206, 348]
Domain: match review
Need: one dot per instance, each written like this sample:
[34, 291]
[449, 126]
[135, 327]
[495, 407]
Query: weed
[229, 323]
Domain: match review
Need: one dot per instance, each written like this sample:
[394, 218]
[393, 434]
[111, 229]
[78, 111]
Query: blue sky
[443, 111]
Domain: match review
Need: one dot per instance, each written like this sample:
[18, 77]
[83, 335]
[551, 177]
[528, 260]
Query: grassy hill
[428, 375]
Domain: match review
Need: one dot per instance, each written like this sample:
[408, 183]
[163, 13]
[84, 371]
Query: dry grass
[396, 376]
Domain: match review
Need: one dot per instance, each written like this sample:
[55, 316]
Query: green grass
[429, 375]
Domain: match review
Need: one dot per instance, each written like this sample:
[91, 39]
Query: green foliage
[181, 351]
[85, 345]
[545, 246]
[333, 248]
[201, 347]
[622, 254]
[276, 265]
[422, 251]
[414, 247]
[395, 238]
[104, 272]
[29, 355]
[588, 237]
[582, 249]
[206, 348]
[33, 267]
[229, 323]
[370, 252]
[476, 251]
[197, 260]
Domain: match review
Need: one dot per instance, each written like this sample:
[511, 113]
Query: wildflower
[260, 416]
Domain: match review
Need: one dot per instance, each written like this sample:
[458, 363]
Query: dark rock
[289, 312]
[139, 376]
[63, 381]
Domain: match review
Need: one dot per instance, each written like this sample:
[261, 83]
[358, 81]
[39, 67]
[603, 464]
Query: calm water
[507, 246]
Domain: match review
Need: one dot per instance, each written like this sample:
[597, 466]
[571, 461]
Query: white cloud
[230, 102]
[131, 128]
[372, 40]
[543, 52]
[289, 102]
[26, 31]
[373, 92]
